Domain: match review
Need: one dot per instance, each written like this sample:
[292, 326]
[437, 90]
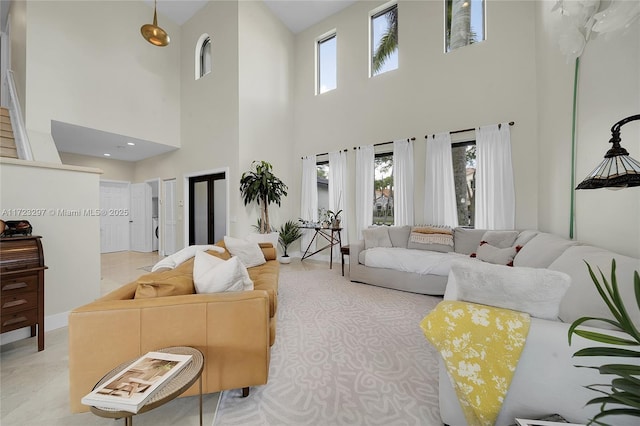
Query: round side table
[174, 387]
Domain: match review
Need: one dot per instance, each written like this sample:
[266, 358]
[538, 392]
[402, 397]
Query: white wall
[88, 65]
[431, 91]
[608, 91]
[266, 50]
[209, 107]
[71, 244]
[111, 169]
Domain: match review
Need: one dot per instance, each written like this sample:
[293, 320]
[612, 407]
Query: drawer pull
[14, 286]
[14, 303]
[14, 321]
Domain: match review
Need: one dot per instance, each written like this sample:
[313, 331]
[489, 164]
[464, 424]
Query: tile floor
[34, 385]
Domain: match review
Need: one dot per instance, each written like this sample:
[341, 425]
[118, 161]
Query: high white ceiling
[297, 15]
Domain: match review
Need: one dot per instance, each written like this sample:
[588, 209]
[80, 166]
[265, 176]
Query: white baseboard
[51, 322]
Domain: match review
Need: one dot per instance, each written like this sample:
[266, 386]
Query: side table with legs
[173, 388]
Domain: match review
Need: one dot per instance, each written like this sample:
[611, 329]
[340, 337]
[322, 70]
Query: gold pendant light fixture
[153, 33]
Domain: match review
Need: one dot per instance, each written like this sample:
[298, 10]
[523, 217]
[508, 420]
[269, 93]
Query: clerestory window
[464, 23]
[203, 63]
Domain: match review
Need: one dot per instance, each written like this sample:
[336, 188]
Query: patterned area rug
[345, 354]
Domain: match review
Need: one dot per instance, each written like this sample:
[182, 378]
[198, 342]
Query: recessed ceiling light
[130, 143]
[107, 155]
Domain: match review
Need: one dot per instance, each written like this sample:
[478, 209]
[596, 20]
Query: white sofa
[547, 380]
[398, 275]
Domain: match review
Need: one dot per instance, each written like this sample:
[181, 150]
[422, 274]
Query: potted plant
[261, 185]
[624, 390]
[334, 218]
[289, 233]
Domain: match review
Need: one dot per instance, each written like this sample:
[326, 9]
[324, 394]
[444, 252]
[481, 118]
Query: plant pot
[284, 259]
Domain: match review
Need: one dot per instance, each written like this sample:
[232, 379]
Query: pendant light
[153, 33]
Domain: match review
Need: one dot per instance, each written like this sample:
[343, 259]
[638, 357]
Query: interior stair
[7, 141]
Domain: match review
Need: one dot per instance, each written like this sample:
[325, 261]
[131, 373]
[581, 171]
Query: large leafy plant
[261, 185]
[624, 390]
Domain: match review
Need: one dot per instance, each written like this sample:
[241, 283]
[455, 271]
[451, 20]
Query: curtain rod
[326, 153]
[511, 123]
[385, 143]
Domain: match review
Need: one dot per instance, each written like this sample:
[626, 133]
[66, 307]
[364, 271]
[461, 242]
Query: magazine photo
[135, 384]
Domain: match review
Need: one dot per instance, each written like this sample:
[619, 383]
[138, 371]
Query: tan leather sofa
[233, 330]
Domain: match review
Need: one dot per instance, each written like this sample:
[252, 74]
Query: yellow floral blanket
[481, 346]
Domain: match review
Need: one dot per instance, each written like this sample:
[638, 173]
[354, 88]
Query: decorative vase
[284, 259]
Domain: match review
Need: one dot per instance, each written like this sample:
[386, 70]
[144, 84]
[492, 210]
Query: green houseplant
[624, 389]
[288, 234]
[334, 218]
[261, 185]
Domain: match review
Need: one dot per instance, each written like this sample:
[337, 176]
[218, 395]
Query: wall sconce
[618, 169]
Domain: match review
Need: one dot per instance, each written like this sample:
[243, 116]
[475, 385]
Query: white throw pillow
[537, 292]
[249, 253]
[499, 256]
[214, 275]
[500, 239]
[376, 237]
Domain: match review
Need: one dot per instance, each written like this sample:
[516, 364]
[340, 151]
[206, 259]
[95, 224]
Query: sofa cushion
[537, 292]
[524, 237]
[377, 236]
[214, 275]
[582, 299]
[500, 239]
[431, 237]
[467, 240]
[249, 253]
[499, 256]
[542, 250]
[399, 235]
[166, 283]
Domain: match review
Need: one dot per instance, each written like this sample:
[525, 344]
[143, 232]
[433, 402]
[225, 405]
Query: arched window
[203, 56]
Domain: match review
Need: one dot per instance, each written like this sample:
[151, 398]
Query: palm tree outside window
[384, 40]
[464, 23]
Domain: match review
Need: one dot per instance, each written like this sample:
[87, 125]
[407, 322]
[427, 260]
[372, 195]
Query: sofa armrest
[354, 251]
[231, 329]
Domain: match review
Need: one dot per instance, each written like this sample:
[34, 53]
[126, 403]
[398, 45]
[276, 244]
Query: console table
[22, 289]
[330, 235]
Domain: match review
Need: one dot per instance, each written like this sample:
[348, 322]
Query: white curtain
[403, 182]
[308, 199]
[338, 193]
[364, 188]
[440, 207]
[495, 193]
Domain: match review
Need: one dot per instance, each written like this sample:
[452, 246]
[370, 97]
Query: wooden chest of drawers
[22, 285]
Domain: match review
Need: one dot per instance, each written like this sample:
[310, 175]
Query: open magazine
[530, 422]
[135, 384]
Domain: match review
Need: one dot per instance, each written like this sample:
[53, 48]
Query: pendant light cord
[573, 151]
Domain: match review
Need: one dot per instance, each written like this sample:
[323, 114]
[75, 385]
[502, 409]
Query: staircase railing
[23, 147]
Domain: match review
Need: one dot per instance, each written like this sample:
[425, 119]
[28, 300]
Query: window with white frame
[463, 157]
[203, 61]
[323, 190]
[326, 63]
[464, 23]
[383, 189]
[384, 39]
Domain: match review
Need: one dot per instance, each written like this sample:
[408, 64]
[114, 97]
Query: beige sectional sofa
[234, 330]
[546, 379]
[465, 242]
